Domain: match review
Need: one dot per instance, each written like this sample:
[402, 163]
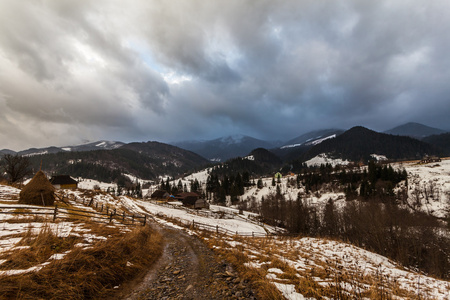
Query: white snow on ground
[323, 159]
[325, 261]
[135, 179]
[210, 218]
[88, 184]
[14, 227]
[429, 186]
[288, 291]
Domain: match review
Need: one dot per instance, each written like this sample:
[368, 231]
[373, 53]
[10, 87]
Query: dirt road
[187, 270]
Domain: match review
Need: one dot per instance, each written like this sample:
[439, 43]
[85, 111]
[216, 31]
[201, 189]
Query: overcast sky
[75, 71]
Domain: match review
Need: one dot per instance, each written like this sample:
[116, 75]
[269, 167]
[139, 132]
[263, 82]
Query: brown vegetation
[83, 273]
[39, 191]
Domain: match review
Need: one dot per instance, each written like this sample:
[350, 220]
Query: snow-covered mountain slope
[99, 145]
[311, 138]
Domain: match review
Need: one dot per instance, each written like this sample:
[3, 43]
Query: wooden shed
[160, 194]
[63, 182]
[188, 199]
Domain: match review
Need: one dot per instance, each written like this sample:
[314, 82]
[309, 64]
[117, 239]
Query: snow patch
[323, 159]
[318, 141]
[378, 157]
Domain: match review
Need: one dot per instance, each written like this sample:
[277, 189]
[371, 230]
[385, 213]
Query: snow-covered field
[225, 219]
[310, 267]
[429, 187]
[16, 224]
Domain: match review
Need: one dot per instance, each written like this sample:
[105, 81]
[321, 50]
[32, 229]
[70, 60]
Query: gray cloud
[169, 70]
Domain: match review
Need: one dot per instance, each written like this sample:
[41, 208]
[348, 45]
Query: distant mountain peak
[233, 139]
[415, 130]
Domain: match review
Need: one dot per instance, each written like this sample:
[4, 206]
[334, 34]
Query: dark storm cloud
[167, 70]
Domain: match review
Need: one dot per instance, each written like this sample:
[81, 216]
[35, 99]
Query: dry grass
[321, 279]
[238, 258]
[39, 249]
[83, 273]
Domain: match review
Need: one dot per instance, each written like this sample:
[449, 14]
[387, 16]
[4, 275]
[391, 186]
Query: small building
[430, 159]
[159, 195]
[63, 182]
[190, 199]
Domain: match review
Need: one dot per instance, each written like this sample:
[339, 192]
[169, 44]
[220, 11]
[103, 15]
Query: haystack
[39, 191]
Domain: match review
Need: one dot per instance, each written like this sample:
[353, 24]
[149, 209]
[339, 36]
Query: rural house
[160, 194]
[192, 200]
[63, 182]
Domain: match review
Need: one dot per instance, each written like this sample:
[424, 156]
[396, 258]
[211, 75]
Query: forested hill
[441, 140]
[358, 143]
[259, 162]
[143, 160]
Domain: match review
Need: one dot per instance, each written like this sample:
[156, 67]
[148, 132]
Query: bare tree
[16, 167]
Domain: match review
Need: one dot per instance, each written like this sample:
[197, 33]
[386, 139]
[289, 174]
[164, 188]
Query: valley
[263, 259]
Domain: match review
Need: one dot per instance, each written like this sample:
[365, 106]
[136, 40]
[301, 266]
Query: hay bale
[39, 191]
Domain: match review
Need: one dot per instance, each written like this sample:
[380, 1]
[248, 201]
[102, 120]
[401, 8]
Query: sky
[131, 71]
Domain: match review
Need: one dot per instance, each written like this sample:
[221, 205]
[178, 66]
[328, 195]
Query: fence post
[55, 212]
[193, 224]
[96, 205]
[107, 209]
[253, 234]
[145, 220]
[110, 217]
[217, 229]
[132, 219]
[123, 217]
[102, 208]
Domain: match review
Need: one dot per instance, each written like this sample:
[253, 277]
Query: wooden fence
[58, 212]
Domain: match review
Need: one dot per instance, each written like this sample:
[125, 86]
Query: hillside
[257, 163]
[414, 130]
[143, 160]
[441, 141]
[294, 148]
[99, 145]
[358, 143]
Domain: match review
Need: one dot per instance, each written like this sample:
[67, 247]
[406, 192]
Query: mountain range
[100, 145]
[105, 160]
